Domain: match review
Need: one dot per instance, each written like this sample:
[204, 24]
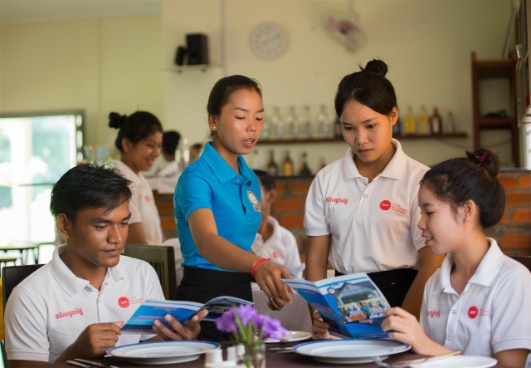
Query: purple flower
[248, 326]
[227, 322]
[247, 313]
[270, 327]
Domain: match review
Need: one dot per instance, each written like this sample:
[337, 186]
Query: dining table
[23, 247]
[275, 358]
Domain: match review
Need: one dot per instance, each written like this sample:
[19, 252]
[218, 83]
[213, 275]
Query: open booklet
[142, 319]
[351, 304]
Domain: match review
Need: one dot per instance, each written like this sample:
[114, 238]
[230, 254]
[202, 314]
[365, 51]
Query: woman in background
[218, 208]
[361, 210]
[139, 142]
[479, 301]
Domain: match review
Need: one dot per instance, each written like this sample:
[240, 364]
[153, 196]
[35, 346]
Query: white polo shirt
[281, 246]
[49, 309]
[142, 204]
[492, 314]
[373, 226]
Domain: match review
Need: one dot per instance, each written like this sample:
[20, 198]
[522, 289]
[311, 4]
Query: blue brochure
[351, 304]
[150, 310]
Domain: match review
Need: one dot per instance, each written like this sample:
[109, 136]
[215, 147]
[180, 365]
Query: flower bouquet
[250, 329]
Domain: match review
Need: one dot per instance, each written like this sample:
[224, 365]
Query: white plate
[291, 336]
[458, 361]
[163, 352]
[350, 351]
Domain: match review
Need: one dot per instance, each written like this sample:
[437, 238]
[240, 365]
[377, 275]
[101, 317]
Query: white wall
[124, 64]
[99, 66]
[426, 44]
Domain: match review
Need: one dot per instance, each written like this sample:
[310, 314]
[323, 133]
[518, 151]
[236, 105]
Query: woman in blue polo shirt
[218, 206]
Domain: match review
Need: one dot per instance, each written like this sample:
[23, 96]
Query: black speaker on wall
[180, 54]
[197, 48]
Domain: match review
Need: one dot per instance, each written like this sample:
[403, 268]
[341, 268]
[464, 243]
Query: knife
[90, 363]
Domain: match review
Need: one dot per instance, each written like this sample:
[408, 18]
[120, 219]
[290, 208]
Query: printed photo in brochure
[351, 304]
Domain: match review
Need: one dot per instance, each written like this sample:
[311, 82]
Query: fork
[380, 362]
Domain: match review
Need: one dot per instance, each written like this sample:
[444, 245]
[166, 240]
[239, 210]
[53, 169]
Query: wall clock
[268, 40]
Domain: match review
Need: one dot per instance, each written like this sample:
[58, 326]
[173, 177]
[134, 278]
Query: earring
[214, 128]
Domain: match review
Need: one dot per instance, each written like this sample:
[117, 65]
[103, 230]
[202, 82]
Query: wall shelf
[340, 139]
[504, 69]
[186, 68]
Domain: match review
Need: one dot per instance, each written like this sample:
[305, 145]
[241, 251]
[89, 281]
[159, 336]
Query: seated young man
[74, 306]
[272, 240]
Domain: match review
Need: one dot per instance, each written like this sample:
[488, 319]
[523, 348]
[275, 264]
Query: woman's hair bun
[116, 120]
[487, 159]
[376, 67]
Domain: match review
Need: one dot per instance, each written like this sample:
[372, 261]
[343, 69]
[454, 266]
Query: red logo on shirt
[123, 302]
[473, 312]
[385, 205]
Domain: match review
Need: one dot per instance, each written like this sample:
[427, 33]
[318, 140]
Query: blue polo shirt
[209, 182]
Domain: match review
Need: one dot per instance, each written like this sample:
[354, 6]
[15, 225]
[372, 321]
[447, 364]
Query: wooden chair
[5, 260]
[162, 258]
[11, 277]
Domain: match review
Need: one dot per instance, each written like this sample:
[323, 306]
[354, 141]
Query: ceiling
[37, 11]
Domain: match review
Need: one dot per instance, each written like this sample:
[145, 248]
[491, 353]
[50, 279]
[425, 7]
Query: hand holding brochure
[150, 310]
[351, 304]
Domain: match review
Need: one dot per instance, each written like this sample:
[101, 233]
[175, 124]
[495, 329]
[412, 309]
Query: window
[35, 150]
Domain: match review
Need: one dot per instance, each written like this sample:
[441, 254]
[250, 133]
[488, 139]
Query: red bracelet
[253, 271]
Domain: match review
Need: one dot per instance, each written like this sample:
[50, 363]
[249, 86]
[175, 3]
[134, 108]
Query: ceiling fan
[345, 28]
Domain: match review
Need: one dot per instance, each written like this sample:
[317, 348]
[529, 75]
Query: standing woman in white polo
[139, 142]
[362, 211]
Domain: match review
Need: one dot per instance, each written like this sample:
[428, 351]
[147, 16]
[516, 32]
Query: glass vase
[251, 355]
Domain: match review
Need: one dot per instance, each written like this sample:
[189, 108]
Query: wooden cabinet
[483, 120]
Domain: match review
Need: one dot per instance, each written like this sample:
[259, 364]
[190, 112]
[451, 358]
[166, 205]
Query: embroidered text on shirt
[69, 314]
[337, 200]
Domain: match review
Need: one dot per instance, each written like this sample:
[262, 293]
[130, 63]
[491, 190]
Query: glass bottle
[254, 160]
[410, 126]
[307, 124]
[449, 127]
[305, 169]
[287, 165]
[266, 129]
[338, 131]
[277, 130]
[272, 166]
[423, 126]
[291, 124]
[435, 122]
[323, 121]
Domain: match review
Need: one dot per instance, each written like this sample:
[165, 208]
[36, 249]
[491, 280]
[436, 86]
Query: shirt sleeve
[293, 259]
[25, 327]
[314, 214]
[192, 193]
[511, 320]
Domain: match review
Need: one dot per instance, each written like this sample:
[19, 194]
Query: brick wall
[513, 233]
[167, 221]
